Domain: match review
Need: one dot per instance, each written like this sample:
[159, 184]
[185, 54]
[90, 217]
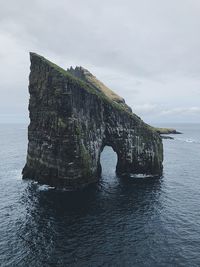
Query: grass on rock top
[83, 85]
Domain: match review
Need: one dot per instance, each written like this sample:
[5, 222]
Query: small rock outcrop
[73, 116]
[167, 131]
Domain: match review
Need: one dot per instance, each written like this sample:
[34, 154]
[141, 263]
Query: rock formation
[167, 131]
[73, 116]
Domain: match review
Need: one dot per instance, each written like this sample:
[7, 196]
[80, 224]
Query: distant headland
[167, 131]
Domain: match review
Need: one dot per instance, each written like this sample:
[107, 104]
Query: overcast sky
[148, 51]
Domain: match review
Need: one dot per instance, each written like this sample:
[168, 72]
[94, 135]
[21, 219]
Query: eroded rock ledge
[72, 117]
[167, 131]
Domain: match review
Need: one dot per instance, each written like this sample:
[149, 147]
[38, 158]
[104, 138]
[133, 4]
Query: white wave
[45, 187]
[188, 140]
[140, 176]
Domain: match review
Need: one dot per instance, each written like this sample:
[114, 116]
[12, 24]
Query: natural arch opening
[108, 161]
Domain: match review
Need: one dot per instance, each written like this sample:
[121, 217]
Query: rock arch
[72, 117]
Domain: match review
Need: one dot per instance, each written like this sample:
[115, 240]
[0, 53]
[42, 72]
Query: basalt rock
[73, 116]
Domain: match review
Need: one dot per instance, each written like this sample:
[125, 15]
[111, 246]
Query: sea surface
[119, 222]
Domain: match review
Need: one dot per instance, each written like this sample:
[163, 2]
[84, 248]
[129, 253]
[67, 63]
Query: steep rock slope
[72, 119]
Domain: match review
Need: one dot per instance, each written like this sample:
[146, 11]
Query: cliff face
[72, 118]
[87, 77]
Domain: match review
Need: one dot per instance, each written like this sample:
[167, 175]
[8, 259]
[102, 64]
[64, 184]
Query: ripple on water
[119, 222]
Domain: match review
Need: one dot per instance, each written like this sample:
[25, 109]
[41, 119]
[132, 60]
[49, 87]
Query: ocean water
[119, 222]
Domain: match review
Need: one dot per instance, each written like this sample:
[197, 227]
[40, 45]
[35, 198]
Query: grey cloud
[156, 113]
[142, 37]
[148, 50]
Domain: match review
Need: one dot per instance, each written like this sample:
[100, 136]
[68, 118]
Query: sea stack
[73, 116]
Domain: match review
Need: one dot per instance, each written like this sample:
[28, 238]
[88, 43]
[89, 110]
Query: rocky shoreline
[164, 132]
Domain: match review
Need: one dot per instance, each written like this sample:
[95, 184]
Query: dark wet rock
[167, 137]
[72, 118]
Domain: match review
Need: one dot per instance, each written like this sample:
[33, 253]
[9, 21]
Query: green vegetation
[61, 123]
[166, 131]
[102, 87]
[85, 161]
[104, 93]
[84, 85]
[77, 130]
